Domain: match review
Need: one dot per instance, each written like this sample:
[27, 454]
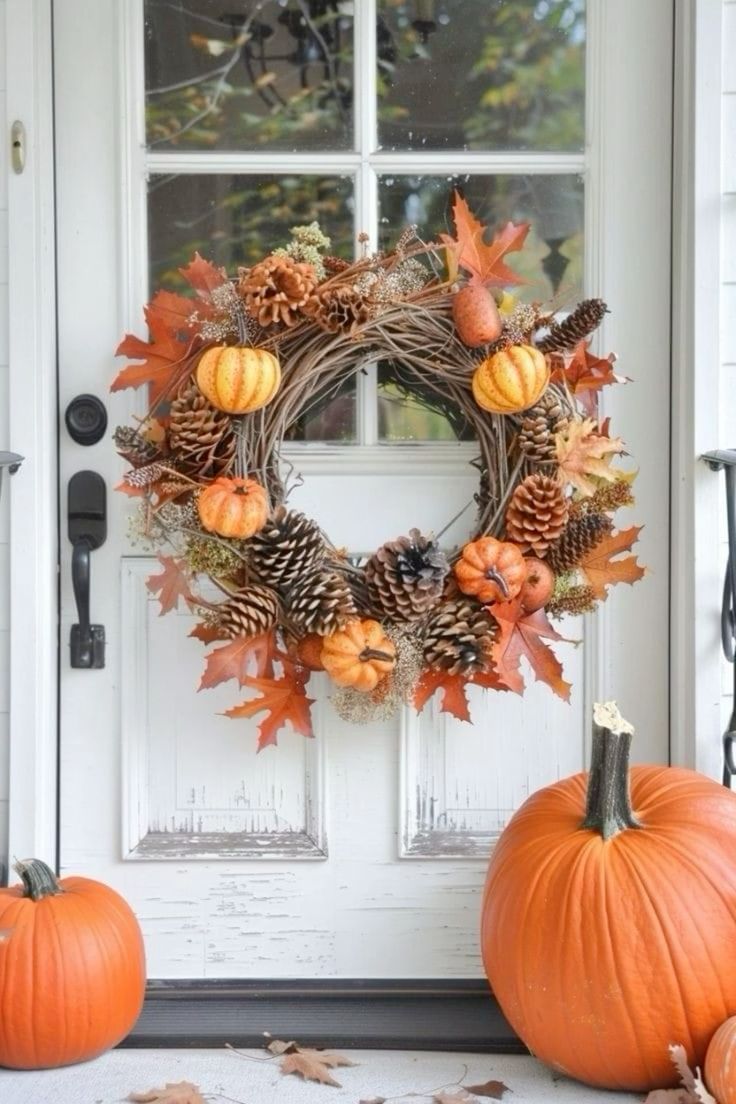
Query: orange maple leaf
[523, 634]
[239, 658]
[208, 634]
[484, 261]
[585, 374]
[174, 311]
[283, 699]
[602, 570]
[453, 698]
[584, 454]
[171, 585]
[204, 277]
[164, 357]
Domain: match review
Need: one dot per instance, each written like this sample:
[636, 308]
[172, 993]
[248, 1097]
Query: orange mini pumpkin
[511, 380]
[720, 1063]
[72, 969]
[538, 586]
[491, 570]
[233, 507]
[360, 655]
[238, 378]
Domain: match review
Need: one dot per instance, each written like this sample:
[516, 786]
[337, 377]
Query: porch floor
[386, 1074]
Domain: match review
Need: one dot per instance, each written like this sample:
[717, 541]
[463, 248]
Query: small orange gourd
[309, 651]
[538, 586]
[233, 507]
[511, 380]
[720, 1063]
[238, 378]
[72, 969]
[476, 316]
[360, 655]
[491, 570]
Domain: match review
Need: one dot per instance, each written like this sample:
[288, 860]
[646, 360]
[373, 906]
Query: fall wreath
[231, 371]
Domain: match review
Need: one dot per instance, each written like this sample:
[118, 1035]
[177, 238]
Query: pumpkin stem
[38, 879]
[374, 653]
[608, 806]
[496, 577]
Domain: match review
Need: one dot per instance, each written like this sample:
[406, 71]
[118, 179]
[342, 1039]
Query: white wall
[4, 444]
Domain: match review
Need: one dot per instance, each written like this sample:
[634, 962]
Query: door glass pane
[408, 411]
[236, 220]
[481, 74]
[249, 74]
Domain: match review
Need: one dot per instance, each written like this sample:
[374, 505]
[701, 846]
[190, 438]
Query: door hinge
[18, 146]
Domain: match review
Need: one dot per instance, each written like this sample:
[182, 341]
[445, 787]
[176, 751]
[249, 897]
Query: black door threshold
[379, 1015]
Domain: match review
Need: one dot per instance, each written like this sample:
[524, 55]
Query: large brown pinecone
[405, 576]
[289, 545]
[134, 447]
[201, 438]
[458, 638]
[586, 317]
[536, 439]
[536, 514]
[251, 611]
[277, 289]
[320, 602]
[340, 309]
[581, 535]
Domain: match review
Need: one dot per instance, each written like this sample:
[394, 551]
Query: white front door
[360, 853]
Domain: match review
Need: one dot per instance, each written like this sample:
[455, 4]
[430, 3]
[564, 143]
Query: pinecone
[321, 602]
[580, 536]
[536, 437]
[458, 638]
[405, 576]
[340, 310]
[134, 447]
[288, 546]
[536, 514]
[586, 317]
[251, 611]
[200, 437]
[277, 289]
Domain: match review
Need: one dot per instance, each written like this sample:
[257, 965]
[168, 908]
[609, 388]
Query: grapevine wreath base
[233, 371]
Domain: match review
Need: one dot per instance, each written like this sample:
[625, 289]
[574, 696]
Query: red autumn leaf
[601, 569]
[585, 374]
[453, 700]
[484, 261]
[208, 634]
[171, 585]
[203, 276]
[239, 658]
[284, 699]
[523, 634]
[161, 357]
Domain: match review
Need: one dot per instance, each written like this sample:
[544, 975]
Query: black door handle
[87, 521]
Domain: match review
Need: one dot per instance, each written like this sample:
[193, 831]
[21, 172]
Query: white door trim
[33, 431]
[696, 491]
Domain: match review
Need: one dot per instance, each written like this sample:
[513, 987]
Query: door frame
[33, 495]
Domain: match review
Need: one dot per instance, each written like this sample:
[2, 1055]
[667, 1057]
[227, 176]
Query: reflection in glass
[249, 74]
[481, 74]
[551, 262]
[409, 412]
[236, 220]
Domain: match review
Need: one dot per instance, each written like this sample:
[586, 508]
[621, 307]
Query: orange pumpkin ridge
[233, 507]
[72, 969]
[491, 570]
[359, 656]
[238, 379]
[511, 380]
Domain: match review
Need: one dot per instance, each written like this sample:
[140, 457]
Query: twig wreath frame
[232, 371]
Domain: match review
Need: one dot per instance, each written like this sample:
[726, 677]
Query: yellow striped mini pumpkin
[238, 378]
[511, 380]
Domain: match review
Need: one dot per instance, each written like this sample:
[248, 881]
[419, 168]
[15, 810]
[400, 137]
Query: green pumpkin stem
[608, 806]
[38, 879]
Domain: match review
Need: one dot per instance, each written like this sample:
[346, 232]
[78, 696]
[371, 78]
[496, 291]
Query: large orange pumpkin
[238, 378]
[511, 380]
[360, 655]
[72, 969]
[608, 915]
[720, 1063]
[491, 570]
[233, 507]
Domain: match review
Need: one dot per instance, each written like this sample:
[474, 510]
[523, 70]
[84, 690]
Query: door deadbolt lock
[86, 419]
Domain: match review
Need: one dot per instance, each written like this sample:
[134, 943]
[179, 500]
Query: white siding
[4, 444]
[727, 428]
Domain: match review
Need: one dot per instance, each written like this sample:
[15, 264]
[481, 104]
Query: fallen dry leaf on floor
[693, 1091]
[374, 1100]
[457, 1096]
[492, 1089]
[181, 1092]
[312, 1065]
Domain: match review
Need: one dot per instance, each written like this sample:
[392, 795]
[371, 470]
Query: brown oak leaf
[601, 569]
[585, 374]
[312, 1065]
[179, 1092]
[240, 658]
[492, 1089]
[282, 699]
[584, 455]
[171, 585]
[469, 249]
[524, 634]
